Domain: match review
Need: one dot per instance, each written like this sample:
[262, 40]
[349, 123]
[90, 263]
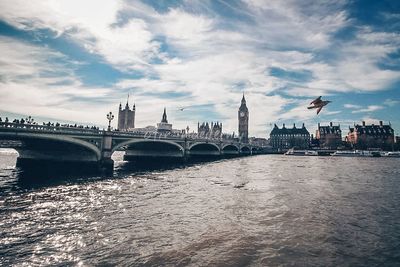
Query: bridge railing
[48, 128]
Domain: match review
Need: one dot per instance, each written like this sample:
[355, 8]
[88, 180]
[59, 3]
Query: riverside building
[329, 137]
[286, 138]
[371, 136]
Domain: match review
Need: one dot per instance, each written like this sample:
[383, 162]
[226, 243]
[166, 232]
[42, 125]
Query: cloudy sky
[75, 60]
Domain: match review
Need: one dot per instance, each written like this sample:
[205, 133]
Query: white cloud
[352, 106]
[205, 57]
[391, 102]
[39, 81]
[370, 108]
[90, 24]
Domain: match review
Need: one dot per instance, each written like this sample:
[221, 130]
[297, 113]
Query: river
[267, 210]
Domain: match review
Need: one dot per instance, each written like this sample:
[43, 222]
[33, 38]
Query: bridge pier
[106, 164]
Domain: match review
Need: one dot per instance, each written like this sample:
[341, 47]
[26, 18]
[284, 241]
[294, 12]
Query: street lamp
[29, 120]
[110, 117]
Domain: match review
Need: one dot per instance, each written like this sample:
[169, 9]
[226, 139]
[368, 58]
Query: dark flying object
[183, 108]
[319, 104]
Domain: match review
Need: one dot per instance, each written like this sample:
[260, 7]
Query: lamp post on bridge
[29, 120]
[110, 117]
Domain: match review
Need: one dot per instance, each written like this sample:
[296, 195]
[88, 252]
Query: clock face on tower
[242, 114]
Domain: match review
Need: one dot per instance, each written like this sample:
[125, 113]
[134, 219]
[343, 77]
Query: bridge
[93, 148]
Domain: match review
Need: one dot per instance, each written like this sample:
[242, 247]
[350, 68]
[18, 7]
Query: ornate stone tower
[126, 117]
[243, 116]
[164, 126]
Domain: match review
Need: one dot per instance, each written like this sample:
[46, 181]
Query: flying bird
[319, 104]
[183, 108]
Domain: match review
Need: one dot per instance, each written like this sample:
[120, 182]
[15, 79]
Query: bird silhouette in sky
[183, 108]
[318, 104]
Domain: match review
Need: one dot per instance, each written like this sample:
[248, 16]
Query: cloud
[39, 81]
[91, 25]
[198, 55]
[391, 102]
[370, 108]
[352, 106]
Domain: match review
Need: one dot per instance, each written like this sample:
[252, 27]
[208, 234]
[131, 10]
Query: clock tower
[243, 115]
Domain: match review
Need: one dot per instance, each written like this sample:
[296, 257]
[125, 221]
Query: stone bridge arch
[138, 149]
[246, 150]
[204, 144]
[230, 150]
[149, 141]
[227, 146]
[204, 149]
[58, 139]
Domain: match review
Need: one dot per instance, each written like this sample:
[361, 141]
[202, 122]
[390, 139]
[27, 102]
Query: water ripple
[256, 211]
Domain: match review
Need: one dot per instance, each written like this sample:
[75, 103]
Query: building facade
[286, 138]
[243, 117]
[126, 117]
[329, 136]
[164, 126]
[397, 143]
[213, 130]
[371, 136]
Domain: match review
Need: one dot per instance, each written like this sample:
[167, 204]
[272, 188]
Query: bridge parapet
[25, 127]
[46, 128]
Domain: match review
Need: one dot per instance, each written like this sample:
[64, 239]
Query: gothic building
[164, 126]
[286, 138]
[371, 136]
[213, 130]
[329, 136]
[126, 117]
[243, 116]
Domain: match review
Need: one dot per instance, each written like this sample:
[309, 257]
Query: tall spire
[127, 100]
[243, 99]
[164, 116]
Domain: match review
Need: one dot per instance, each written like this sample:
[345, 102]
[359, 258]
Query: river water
[267, 210]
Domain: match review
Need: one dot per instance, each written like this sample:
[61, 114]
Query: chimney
[294, 125]
[331, 124]
[363, 123]
[381, 123]
[319, 125]
[283, 126]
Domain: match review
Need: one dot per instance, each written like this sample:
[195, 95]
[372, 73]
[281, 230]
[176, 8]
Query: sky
[76, 60]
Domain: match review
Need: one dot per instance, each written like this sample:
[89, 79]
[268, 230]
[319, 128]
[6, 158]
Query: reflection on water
[256, 211]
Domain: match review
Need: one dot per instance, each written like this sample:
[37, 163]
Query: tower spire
[164, 116]
[127, 102]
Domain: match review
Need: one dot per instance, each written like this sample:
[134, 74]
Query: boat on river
[293, 152]
[357, 153]
[350, 153]
[392, 154]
